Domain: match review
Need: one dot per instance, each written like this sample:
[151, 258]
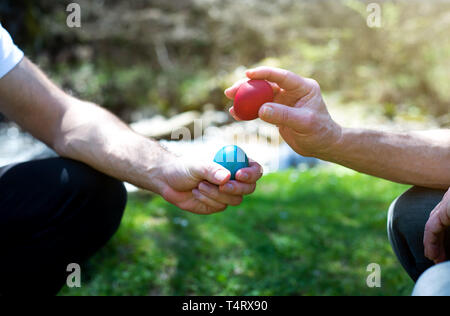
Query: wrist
[158, 170]
[334, 141]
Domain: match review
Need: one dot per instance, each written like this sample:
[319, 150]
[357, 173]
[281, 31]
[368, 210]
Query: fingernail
[243, 176]
[266, 111]
[221, 175]
[229, 186]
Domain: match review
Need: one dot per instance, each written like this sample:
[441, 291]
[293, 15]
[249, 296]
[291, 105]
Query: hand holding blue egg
[232, 158]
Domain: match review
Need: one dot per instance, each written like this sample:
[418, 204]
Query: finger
[276, 89]
[211, 191]
[447, 196]
[285, 79]
[231, 91]
[299, 119]
[217, 206]
[444, 217]
[195, 206]
[238, 188]
[432, 237]
[437, 208]
[444, 213]
[233, 114]
[432, 249]
[441, 257]
[210, 171]
[438, 249]
[251, 174]
[435, 231]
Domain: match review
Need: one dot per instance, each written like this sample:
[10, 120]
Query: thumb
[283, 115]
[211, 172]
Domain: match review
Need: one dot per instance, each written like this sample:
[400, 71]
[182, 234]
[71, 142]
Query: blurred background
[311, 228]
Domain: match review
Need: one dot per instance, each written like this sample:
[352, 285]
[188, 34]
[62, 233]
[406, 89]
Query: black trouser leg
[406, 226]
[53, 212]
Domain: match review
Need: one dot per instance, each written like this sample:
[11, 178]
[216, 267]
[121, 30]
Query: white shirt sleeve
[10, 54]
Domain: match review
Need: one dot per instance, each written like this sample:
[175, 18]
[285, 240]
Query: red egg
[250, 97]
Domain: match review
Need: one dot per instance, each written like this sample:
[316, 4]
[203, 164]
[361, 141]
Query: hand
[298, 110]
[204, 187]
[435, 229]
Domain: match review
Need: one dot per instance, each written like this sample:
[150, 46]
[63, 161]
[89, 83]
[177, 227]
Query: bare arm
[78, 129]
[85, 132]
[418, 158]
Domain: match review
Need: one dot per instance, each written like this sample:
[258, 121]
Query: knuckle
[285, 76]
[427, 229]
[314, 84]
[213, 193]
[249, 189]
[237, 190]
[210, 169]
[309, 119]
[446, 215]
[199, 172]
[285, 115]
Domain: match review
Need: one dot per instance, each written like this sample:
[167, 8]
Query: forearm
[418, 158]
[79, 130]
[96, 137]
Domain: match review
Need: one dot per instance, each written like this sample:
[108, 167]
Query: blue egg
[232, 158]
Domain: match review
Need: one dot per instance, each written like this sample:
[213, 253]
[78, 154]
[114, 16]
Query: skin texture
[88, 133]
[418, 158]
[435, 231]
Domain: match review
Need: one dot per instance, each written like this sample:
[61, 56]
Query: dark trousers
[406, 224]
[53, 212]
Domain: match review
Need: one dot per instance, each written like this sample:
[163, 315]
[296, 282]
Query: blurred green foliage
[301, 233]
[171, 56]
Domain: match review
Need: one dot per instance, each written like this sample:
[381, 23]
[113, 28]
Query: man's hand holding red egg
[297, 108]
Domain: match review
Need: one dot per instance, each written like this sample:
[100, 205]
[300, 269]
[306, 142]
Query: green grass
[302, 233]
